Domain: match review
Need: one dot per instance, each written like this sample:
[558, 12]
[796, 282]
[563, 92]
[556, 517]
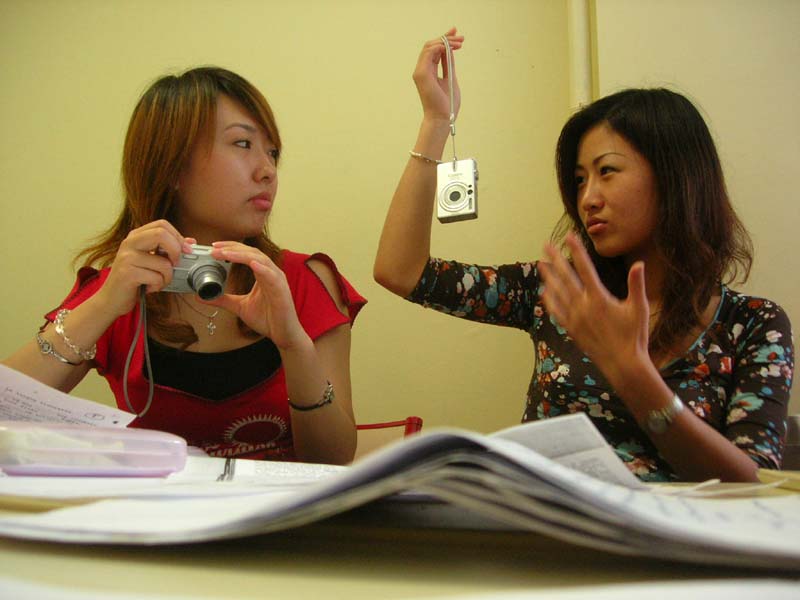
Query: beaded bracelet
[47, 348]
[427, 159]
[59, 322]
[327, 398]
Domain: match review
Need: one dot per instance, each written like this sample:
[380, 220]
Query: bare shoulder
[329, 279]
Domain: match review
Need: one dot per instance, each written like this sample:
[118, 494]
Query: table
[352, 556]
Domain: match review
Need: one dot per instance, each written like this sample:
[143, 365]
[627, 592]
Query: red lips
[262, 201]
[595, 226]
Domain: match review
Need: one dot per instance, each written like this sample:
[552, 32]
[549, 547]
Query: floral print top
[736, 376]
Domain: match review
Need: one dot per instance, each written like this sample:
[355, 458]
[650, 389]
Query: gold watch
[659, 420]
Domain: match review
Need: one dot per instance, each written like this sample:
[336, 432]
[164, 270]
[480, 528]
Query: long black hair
[699, 237]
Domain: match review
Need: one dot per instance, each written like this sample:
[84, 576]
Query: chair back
[372, 436]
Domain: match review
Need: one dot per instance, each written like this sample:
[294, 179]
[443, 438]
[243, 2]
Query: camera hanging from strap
[456, 180]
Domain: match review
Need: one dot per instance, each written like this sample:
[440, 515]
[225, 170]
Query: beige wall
[338, 74]
[338, 77]
[739, 60]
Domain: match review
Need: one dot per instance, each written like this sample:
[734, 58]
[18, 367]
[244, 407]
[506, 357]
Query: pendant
[211, 326]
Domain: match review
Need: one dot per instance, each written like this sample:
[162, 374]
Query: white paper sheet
[572, 440]
[22, 398]
[198, 479]
[491, 476]
[504, 477]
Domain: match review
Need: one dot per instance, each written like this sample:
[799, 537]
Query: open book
[500, 478]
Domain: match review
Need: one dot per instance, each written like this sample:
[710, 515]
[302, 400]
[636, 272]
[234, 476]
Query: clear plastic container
[54, 449]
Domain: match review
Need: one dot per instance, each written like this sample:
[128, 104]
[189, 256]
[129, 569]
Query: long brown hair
[700, 238]
[171, 116]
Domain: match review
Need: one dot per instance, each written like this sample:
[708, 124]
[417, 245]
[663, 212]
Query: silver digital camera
[457, 190]
[198, 272]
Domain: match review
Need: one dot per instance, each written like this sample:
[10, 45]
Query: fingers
[455, 40]
[267, 274]
[561, 273]
[582, 263]
[154, 277]
[568, 284]
[428, 63]
[159, 237]
[271, 287]
[265, 270]
[637, 292]
[561, 285]
[147, 255]
[553, 301]
[433, 52]
[236, 252]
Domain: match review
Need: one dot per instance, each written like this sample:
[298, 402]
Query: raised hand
[268, 307]
[434, 90]
[145, 257]
[613, 333]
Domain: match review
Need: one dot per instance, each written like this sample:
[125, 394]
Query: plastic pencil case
[54, 449]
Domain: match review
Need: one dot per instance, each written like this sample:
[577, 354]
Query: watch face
[659, 420]
[656, 422]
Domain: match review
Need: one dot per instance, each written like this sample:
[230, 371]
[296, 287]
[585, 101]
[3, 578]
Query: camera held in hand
[457, 190]
[198, 272]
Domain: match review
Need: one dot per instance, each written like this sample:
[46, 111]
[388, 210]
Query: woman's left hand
[613, 333]
[268, 308]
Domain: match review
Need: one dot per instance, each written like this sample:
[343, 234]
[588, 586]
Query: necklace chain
[211, 326]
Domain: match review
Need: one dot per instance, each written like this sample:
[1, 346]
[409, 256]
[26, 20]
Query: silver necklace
[211, 326]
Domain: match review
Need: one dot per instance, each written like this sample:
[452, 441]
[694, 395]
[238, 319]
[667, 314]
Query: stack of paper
[500, 477]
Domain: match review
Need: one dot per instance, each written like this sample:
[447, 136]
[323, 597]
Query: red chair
[372, 436]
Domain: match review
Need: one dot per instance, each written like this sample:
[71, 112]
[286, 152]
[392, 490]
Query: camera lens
[453, 197]
[209, 290]
[207, 281]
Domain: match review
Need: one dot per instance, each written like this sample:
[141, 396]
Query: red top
[252, 424]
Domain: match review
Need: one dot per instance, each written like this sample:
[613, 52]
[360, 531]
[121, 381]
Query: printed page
[154, 520]
[22, 398]
[757, 531]
[486, 475]
[201, 477]
[572, 440]
[555, 437]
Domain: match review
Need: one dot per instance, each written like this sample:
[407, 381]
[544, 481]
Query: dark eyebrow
[244, 126]
[599, 158]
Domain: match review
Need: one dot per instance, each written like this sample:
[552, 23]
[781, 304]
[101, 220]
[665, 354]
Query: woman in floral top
[686, 378]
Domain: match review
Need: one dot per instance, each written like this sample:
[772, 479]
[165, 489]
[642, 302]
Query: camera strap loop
[141, 328]
[449, 53]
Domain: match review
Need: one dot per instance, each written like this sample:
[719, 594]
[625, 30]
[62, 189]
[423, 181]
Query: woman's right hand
[433, 90]
[404, 247]
[145, 257]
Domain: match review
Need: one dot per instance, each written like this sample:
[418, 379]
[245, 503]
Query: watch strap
[659, 420]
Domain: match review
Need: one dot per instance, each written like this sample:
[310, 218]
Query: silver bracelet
[327, 398]
[427, 159]
[84, 354]
[47, 348]
[659, 420]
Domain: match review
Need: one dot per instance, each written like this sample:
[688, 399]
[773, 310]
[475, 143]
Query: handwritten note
[22, 398]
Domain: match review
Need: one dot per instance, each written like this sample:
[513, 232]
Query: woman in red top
[261, 371]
